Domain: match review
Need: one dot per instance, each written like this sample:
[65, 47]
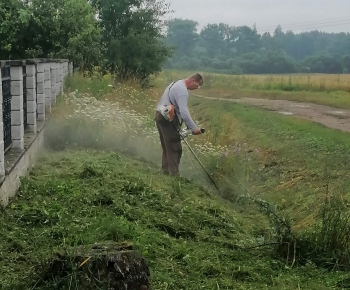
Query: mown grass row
[190, 239]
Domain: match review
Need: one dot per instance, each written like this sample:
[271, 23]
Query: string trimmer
[184, 133]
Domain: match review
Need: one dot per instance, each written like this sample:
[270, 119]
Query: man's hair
[197, 77]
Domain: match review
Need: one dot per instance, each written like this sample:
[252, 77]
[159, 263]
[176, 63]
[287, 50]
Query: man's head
[194, 81]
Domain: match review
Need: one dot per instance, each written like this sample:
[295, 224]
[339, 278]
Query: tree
[64, 29]
[267, 41]
[346, 64]
[245, 39]
[14, 21]
[340, 44]
[281, 52]
[212, 39]
[132, 31]
[182, 36]
[324, 64]
[50, 28]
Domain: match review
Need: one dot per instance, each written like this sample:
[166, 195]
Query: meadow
[332, 90]
[279, 221]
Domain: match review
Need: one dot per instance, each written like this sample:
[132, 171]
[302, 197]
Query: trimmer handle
[184, 132]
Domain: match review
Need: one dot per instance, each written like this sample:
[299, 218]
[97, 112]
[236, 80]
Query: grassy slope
[80, 197]
[187, 236]
[297, 161]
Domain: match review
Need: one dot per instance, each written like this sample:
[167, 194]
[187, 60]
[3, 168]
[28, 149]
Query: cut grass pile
[190, 238]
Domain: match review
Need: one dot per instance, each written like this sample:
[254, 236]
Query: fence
[28, 89]
[6, 106]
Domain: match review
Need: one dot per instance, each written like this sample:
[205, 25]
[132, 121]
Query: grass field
[332, 90]
[282, 181]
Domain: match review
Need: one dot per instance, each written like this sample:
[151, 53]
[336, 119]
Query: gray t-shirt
[178, 96]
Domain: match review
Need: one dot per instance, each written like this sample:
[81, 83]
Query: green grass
[190, 239]
[314, 156]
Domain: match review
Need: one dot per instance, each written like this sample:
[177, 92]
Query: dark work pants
[171, 145]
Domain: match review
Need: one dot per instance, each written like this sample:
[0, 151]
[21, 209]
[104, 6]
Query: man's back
[177, 95]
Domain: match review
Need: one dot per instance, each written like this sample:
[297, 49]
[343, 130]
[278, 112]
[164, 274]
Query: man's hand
[197, 131]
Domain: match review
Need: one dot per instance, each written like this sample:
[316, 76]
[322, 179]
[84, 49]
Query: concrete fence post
[53, 70]
[58, 88]
[17, 120]
[47, 86]
[31, 95]
[2, 144]
[40, 98]
[58, 79]
[66, 68]
[61, 76]
[70, 68]
[65, 72]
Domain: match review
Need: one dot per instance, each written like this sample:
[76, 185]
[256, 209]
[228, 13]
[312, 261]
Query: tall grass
[287, 82]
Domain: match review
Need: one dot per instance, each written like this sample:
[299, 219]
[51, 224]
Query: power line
[305, 24]
[305, 27]
[330, 20]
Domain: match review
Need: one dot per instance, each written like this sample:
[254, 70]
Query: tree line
[131, 39]
[242, 49]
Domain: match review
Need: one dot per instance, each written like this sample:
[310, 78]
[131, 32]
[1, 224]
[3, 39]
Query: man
[176, 94]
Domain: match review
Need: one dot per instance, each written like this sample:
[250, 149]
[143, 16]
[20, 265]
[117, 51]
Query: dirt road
[331, 117]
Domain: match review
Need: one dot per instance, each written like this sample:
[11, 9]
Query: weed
[327, 244]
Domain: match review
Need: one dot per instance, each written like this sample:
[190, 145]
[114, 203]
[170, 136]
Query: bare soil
[328, 116]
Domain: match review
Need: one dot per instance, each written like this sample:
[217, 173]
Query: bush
[93, 82]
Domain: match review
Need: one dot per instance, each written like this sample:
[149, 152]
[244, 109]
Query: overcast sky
[295, 15]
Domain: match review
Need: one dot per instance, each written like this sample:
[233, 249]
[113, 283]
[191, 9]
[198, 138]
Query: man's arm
[185, 114]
